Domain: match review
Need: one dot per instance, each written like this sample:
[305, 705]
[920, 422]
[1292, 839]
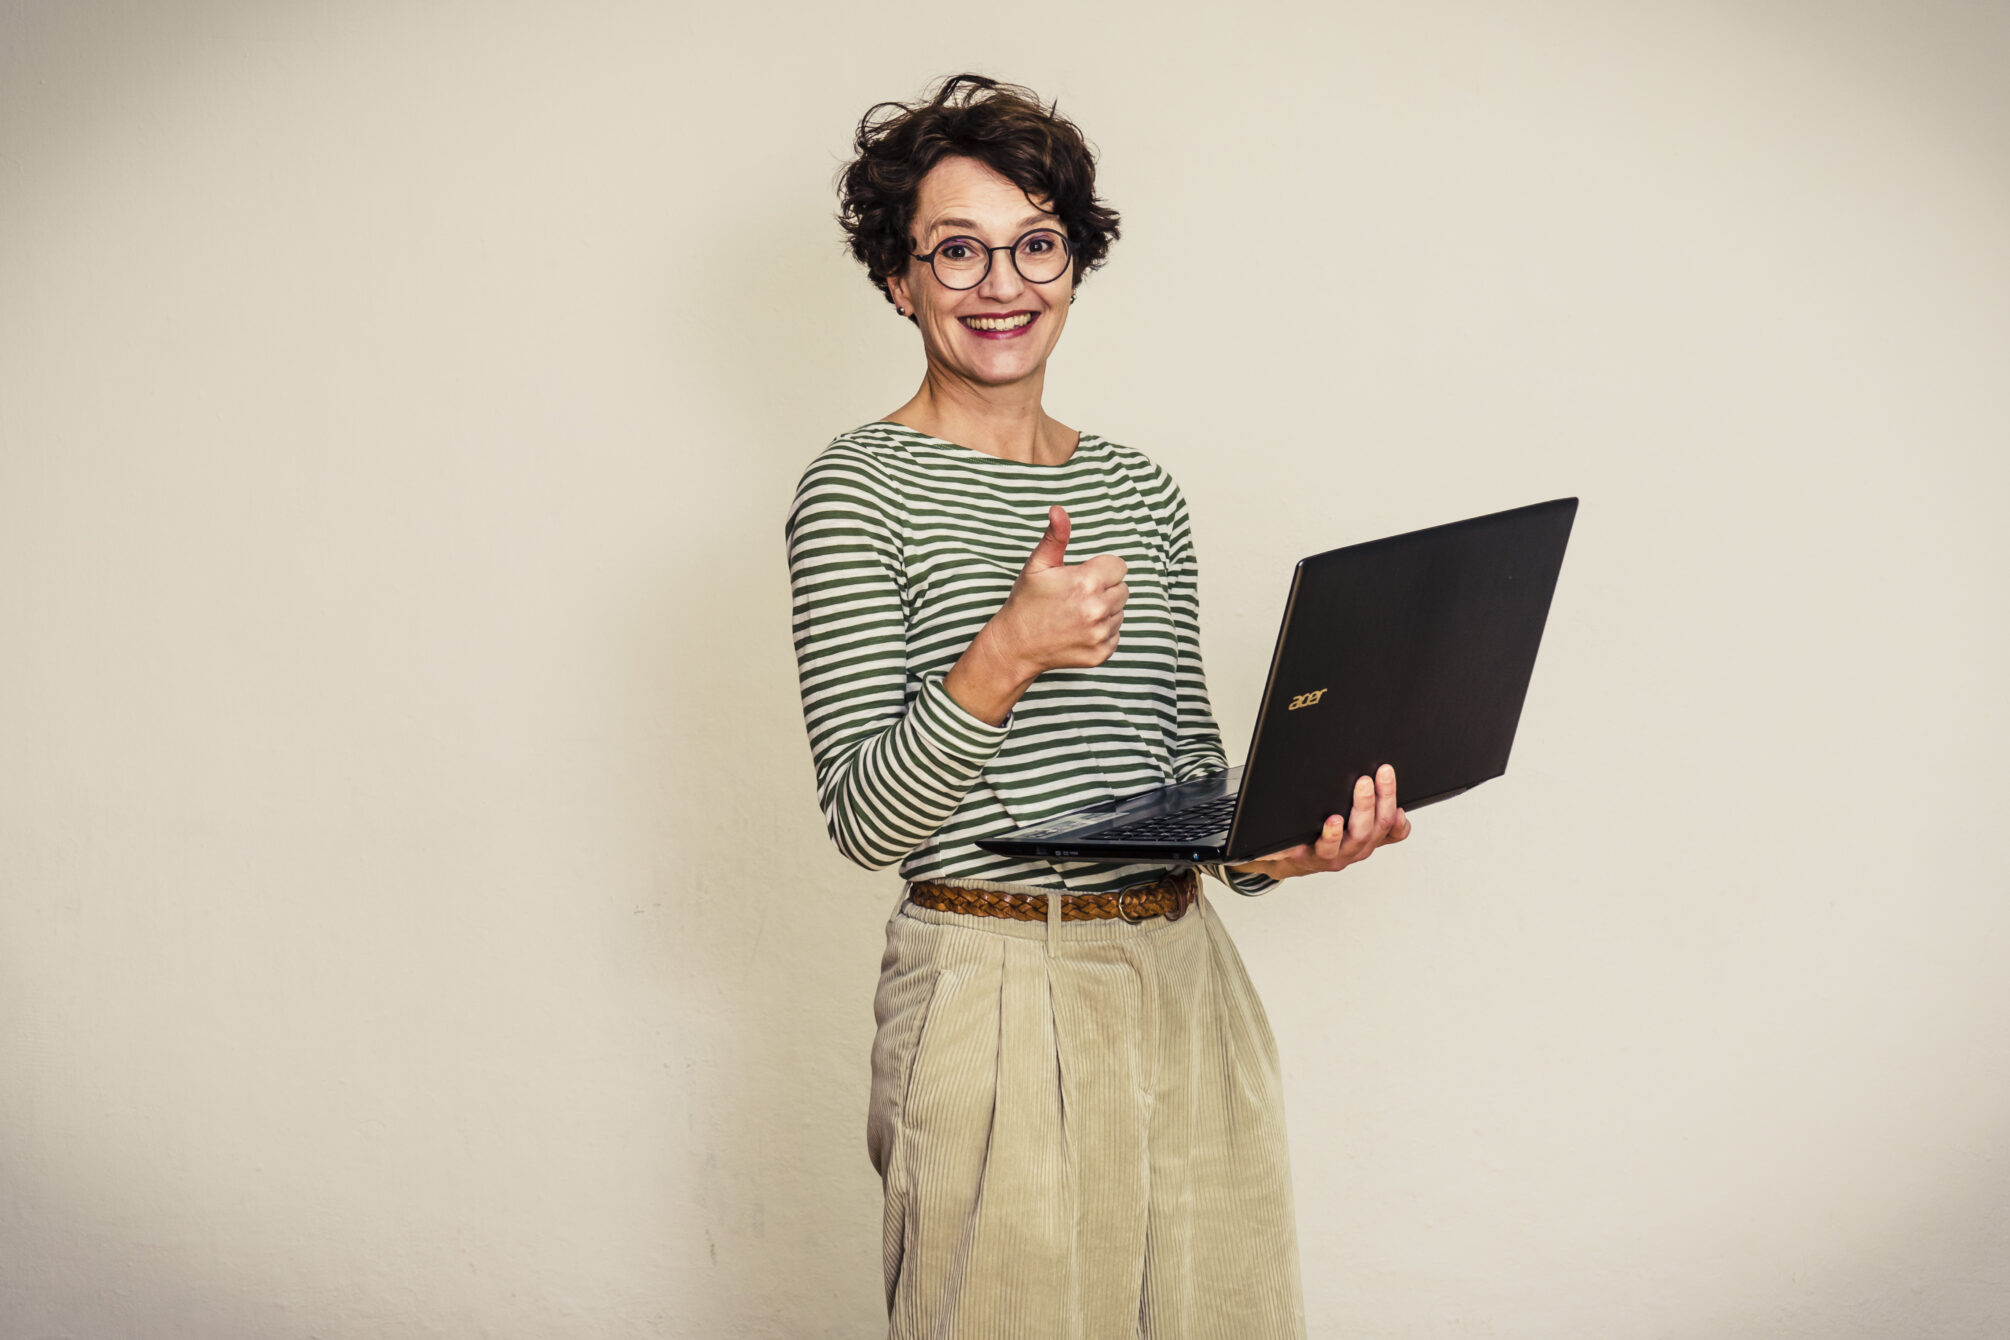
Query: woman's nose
[1004, 281]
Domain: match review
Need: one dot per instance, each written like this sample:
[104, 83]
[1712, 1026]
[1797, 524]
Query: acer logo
[1306, 699]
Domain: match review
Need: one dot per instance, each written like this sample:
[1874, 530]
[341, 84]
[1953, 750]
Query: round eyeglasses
[1040, 257]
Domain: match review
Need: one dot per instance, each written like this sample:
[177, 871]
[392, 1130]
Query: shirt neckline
[1083, 440]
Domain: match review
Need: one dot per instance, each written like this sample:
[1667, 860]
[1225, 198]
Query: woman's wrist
[987, 680]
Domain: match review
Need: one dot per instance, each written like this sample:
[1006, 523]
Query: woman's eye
[1037, 246]
[955, 251]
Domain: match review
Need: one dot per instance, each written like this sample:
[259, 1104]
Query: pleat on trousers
[1079, 1135]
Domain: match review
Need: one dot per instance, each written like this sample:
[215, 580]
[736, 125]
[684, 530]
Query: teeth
[997, 322]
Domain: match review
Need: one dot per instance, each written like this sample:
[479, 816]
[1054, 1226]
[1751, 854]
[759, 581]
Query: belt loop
[1053, 922]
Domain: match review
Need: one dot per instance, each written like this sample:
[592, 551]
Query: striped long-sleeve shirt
[901, 547]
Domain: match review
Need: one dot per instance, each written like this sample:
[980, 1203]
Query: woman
[1075, 1109]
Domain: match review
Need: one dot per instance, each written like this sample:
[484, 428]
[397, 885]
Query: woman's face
[1002, 330]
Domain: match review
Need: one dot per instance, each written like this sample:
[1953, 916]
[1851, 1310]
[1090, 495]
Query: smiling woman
[1078, 1125]
[941, 191]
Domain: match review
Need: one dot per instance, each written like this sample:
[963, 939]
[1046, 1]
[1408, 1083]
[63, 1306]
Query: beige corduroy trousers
[1080, 1130]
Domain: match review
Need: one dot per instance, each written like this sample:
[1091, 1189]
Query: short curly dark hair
[1003, 126]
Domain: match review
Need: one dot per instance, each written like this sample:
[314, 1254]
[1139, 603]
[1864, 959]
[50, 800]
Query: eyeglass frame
[1067, 252]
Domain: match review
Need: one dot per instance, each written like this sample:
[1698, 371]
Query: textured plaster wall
[414, 917]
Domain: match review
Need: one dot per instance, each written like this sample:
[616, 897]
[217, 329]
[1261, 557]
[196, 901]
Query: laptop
[1414, 650]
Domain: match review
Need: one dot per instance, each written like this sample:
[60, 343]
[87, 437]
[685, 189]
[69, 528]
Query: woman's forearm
[987, 680]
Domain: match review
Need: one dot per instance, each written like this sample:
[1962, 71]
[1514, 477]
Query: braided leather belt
[1169, 898]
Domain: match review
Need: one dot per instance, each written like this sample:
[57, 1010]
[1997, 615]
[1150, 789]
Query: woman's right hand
[1056, 616]
[1061, 616]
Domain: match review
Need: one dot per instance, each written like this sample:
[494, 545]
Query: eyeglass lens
[962, 262]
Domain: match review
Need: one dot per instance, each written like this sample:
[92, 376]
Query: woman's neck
[1003, 421]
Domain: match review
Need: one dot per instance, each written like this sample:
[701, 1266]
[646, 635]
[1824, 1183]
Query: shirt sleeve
[891, 767]
[1196, 750]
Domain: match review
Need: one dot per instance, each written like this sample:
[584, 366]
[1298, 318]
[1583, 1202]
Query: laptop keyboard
[1199, 822]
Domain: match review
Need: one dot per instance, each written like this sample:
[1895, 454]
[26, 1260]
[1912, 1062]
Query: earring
[1072, 297]
[903, 310]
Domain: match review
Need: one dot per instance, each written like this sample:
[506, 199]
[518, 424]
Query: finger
[1402, 827]
[1385, 799]
[1106, 570]
[1052, 551]
[1107, 604]
[1331, 838]
[1361, 823]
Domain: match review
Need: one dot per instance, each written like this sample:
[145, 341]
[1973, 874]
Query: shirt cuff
[940, 720]
[1249, 885]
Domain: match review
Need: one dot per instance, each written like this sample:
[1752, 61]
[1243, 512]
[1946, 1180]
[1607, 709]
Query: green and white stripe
[902, 546]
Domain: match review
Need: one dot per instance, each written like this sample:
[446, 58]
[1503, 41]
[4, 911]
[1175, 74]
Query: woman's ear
[896, 288]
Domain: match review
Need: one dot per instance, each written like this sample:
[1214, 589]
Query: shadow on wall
[769, 940]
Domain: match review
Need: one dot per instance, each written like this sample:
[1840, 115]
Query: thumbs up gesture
[1059, 615]
[1055, 616]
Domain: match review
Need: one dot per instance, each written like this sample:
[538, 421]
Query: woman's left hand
[1375, 822]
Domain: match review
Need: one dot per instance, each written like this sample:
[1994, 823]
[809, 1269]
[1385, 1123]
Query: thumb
[1052, 551]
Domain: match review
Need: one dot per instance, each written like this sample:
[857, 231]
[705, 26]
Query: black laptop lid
[1414, 650]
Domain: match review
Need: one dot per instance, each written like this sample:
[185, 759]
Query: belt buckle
[1180, 893]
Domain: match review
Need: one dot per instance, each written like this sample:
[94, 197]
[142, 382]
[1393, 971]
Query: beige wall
[414, 916]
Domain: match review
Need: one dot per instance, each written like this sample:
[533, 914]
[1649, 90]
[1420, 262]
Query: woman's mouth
[998, 326]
